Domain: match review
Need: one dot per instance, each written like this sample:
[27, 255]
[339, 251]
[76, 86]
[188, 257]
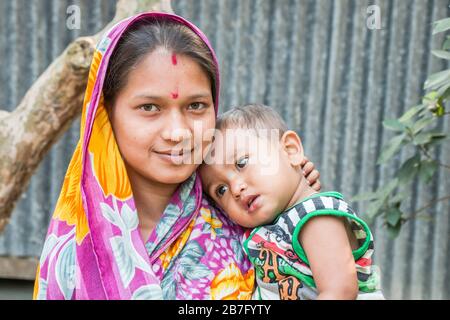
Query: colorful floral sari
[93, 248]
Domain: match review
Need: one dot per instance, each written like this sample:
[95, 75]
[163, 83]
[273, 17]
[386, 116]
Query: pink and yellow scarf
[93, 248]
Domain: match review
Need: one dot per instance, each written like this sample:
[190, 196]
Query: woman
[132, 221]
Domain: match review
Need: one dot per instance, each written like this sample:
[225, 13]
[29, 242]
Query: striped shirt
[281, 266]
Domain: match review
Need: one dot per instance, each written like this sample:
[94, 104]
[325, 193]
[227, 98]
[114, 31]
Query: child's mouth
[253, 203]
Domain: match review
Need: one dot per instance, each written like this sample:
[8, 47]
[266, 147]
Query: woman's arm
[327, 247]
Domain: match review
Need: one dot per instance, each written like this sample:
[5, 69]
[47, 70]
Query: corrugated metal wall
[333, 79]
[32, 34]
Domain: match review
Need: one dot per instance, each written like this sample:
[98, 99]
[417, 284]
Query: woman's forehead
[156, 75]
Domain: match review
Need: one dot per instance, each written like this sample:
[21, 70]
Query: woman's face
[160, 118]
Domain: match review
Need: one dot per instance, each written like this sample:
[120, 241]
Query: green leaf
[393, 216]
[437, 138]
[385, 191]
[391, 148]
[393, 231]
[373, 210]
[446, 45]
[429, 138]
[441, 54]
[441, 25]
[437, 79]
[444, 92]
[427, 170]
[431, 96]
[438, 135]
[400, 197]
[409, 169]
[411, 113]
[422, 138]
[439, 110]
[364, 196]
[394, 125]
[421, 124]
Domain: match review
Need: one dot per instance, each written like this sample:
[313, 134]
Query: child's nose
[237, 188]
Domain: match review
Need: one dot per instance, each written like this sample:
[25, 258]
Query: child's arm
[329, 253]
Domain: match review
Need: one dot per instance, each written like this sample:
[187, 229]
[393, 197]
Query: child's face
[252, 178]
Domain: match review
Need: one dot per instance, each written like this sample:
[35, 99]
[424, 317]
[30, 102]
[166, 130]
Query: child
[304, 245]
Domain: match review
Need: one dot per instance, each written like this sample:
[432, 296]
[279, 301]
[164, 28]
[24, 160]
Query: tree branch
[427, 154]
[49, 107]
[428, 205]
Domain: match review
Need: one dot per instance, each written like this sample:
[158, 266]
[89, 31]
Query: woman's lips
[175, 156]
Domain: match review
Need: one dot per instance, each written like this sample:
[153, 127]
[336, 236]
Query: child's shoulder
[321, 203]
[330, 204]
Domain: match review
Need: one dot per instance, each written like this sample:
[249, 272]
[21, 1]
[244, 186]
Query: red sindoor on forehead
[174, 59]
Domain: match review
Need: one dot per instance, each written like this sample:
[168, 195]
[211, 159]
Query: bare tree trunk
[48, 109]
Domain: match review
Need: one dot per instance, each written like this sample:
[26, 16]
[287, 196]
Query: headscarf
[93, 249]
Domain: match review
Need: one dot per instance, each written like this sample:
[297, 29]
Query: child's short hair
[252, 116]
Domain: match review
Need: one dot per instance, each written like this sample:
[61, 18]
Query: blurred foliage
[413, 131]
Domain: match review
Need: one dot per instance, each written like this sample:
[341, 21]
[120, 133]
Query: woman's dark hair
[143, 38]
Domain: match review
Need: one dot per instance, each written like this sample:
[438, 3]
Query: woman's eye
[242, 162]
[197, 106]
[149, 107]
[220, 191]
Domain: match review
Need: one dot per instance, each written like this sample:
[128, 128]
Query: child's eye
[220, 191]
[242, 162]
[149, 107]
[197, 106]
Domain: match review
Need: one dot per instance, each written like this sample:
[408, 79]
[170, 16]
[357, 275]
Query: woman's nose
[176, 128]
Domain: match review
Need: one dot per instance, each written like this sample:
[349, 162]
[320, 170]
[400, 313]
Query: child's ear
[292, 145]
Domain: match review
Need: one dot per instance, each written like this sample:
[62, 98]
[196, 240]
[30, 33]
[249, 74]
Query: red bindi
[174, 59]
[174, 94]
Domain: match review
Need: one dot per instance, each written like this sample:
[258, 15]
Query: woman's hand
[311, 174]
